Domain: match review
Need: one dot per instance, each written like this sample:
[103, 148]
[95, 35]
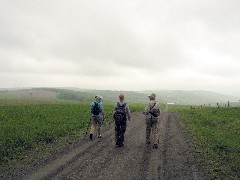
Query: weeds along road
[174, 159]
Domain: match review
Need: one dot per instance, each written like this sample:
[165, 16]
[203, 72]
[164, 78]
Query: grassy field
[216, 133]
[26, 126]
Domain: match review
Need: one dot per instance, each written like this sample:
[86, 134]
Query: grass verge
[216, 133]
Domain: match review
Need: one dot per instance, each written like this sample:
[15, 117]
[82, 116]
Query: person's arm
[103, 115]
[115, 109]
[159, 108]
[102, 109]
[128, 112]
[147, 109]
[91, 108]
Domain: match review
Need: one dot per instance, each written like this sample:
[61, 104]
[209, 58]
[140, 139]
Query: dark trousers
[120, 128]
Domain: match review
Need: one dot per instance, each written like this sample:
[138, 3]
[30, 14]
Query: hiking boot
[91, 136]
[147, 142]
[155, 146]
[121, 145]
[117, 144]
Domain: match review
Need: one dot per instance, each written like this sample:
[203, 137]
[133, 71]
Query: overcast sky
[127, 44]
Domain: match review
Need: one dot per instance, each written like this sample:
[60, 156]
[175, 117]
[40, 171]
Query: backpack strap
[153, 106]
[118, 105]
[123, 107]
[96, 103]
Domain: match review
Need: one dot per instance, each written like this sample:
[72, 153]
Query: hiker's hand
[145, 113]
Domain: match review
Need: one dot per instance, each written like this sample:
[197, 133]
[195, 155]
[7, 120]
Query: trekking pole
[89, 124]
[110, 122]
[105, 117]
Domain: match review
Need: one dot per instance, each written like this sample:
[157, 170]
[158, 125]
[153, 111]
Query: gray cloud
[115, 40]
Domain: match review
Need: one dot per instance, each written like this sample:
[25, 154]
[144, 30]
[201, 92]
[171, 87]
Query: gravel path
[174, 159]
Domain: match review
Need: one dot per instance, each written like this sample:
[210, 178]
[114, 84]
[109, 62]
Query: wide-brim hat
[152, 95]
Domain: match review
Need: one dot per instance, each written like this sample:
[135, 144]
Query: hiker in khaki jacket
[152, 112]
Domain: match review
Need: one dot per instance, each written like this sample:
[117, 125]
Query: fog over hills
[87, 95]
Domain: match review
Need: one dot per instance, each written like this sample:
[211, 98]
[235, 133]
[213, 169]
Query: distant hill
[29, 93]
[87, 95]
[193, 97]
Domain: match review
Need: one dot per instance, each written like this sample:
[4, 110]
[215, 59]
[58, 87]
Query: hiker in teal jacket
[97, 117]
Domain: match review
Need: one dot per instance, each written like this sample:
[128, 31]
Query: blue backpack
[95, 109]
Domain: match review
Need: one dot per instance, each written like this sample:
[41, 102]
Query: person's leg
[155, 132]
[122, 129]
[99, 128]
[148, 130]
[93, 128]
[117, 132]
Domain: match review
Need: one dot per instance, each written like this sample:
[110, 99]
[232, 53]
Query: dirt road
[174, 159]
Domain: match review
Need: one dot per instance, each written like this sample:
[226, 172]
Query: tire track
[125, 162]
[153, 157]
[102, 160]
[51, 169]
[166, 135]
[177, 154]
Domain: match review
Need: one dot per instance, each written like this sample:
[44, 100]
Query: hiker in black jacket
[121, 114]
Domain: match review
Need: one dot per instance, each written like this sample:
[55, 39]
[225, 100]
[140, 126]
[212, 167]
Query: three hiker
[97, 117]
[120, 114]
[152, 112]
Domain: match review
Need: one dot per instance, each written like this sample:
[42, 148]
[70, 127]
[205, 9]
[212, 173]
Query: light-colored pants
[152, 125]
[96, 125]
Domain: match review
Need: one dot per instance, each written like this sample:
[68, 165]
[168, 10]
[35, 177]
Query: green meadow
[26, 126]
[216, 133]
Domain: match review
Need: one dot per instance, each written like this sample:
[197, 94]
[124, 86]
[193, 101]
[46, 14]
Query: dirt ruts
[174, 159]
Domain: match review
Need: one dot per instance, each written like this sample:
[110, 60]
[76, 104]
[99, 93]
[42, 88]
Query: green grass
[25, 127]
[216, 132]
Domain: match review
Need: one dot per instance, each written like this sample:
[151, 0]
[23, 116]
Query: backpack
[154, 112]
[95, 109]
[120, 113]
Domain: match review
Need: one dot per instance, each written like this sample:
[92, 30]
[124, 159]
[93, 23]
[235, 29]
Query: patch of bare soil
[174, 159]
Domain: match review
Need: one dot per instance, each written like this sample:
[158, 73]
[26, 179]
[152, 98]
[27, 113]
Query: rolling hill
[87, 95]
